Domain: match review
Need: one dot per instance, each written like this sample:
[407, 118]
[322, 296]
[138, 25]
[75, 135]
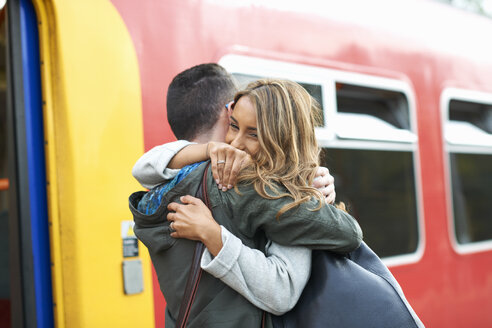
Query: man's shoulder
[189, 177]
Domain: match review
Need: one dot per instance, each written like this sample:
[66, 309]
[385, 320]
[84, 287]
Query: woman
[273, 121]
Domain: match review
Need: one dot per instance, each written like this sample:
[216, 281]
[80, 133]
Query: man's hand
[325, 183]
[227, 161]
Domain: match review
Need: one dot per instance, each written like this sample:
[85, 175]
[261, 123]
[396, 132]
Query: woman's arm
[273, 282]
[190, 154]
[163, 162]
[226, 161]
[328, 229]
[152, 168]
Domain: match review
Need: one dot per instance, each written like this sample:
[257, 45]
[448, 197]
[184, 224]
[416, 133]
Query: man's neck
[216, 133]
[202, 139]
[212, 135]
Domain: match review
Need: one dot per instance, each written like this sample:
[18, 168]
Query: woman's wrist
[209, 144]
[207, 150]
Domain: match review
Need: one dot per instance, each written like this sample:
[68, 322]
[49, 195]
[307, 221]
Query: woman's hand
[325, 183]
[193, 220]
[227, 161]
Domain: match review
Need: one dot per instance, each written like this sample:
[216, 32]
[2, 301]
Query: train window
[468, 136]
[369, 144]
[372, 114]
[469, 124]
[244, 79]
[374, 168]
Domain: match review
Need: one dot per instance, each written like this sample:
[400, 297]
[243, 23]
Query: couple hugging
[270, 206]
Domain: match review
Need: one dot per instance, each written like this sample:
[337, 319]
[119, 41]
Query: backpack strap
[195, 271]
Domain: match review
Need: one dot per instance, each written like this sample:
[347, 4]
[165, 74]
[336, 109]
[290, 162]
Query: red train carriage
[406, 91]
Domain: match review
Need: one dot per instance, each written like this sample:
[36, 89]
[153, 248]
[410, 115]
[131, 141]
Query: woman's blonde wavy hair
[289, 154]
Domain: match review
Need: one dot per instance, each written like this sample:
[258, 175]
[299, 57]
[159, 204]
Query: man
[196, 99]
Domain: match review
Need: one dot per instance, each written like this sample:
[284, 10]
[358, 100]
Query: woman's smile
[243, 133]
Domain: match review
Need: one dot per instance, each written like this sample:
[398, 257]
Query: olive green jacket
[252, 219]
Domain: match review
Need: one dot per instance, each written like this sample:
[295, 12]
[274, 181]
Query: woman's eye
[233, 126]
[254, 135]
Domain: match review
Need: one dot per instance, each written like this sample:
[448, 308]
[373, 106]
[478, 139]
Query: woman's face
[242, 132]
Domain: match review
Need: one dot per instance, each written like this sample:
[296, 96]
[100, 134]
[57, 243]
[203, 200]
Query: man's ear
[224, 118]
[224, 115]
[221, 126]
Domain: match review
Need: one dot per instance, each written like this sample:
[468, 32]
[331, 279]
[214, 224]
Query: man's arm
[328, 229]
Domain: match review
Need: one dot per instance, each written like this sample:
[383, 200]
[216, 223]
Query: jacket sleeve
[272, 282]
[151, 169]
[328, 229]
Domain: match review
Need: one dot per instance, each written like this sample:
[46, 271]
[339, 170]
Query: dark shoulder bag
[353, 291]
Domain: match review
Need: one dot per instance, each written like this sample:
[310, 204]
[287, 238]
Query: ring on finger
[171, 226]
[221, 162]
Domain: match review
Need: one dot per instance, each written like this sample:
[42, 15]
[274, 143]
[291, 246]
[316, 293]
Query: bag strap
[195, 271]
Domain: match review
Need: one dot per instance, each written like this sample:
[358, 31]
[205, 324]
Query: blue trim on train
[36, 164]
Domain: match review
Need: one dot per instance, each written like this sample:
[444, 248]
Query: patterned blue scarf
[152, 199]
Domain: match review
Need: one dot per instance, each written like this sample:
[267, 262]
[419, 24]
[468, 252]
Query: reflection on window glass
[243, 79]
[472, 196]
[389, 106]
[314, 90]
[477, 114]
[379, 189]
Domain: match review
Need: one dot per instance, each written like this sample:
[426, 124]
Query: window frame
[473, 96]
[326, 136]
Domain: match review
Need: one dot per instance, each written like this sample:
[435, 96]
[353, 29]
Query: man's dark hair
[195, 98]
